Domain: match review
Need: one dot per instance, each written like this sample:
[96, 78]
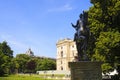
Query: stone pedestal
[85, 70]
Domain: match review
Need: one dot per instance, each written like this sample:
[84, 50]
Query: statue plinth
[85, 70]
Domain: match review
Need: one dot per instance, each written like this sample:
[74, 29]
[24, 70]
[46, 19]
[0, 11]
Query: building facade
[66, 51]
[29, 52]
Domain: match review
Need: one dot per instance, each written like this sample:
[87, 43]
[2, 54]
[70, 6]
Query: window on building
[61, 62]
[61, 68]
[61, 47]
[72, 46]
[72, 53]
[61, 53]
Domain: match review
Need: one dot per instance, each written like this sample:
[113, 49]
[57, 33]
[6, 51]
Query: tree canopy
[6, 55]
[104, 23]
[22, 63]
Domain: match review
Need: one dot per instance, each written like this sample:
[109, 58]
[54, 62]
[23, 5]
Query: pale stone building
[66, 51]
[29, 52]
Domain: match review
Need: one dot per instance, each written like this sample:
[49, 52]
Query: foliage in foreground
[22, 77]
[6, 56]
[104, 23]
[22, 63]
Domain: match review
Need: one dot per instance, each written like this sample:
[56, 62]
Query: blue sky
[38, 24]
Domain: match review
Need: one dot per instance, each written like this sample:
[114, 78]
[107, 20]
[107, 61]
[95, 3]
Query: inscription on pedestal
[85, 71]
[86, 74]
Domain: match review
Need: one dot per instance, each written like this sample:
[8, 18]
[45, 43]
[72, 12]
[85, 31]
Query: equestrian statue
[81, 36]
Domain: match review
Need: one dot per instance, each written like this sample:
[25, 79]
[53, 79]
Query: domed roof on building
[29, 52]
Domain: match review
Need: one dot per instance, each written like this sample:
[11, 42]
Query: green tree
[38, 63]
[104, 23]
[6, 55]
[47, 64]
[31, 65]
[4, 47]
[15, 65]
[28, 64]
[22, 60]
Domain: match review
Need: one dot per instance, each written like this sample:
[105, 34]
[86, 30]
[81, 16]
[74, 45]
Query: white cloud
[4, 37]
[17, 44]
[66, 7]
[13, 42]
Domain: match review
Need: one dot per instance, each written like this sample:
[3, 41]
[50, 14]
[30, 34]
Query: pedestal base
[85, 70]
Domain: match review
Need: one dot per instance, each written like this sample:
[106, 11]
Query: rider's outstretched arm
[76, 24]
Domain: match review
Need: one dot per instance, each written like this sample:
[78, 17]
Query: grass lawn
[22, 77]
